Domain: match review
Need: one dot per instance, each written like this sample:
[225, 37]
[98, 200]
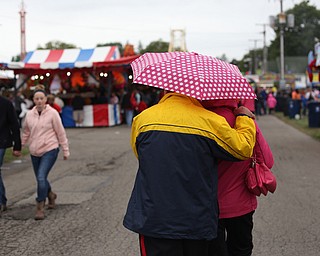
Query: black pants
[234, 237]
[169, 247]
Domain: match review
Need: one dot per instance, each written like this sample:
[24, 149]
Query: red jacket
[233, 195]
[56, 107]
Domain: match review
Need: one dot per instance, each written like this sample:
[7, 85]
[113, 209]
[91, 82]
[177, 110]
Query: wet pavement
[94, 186]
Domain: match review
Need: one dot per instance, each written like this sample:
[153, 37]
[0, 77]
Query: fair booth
[85, 72]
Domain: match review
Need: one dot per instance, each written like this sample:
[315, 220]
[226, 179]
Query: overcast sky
[213, 27]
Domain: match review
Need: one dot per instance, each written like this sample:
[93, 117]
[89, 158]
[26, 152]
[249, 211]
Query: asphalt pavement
[95, 183]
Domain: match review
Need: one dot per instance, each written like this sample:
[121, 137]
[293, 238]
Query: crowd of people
[132, 101]
[23, 102]
[266, 101]
[303, 97]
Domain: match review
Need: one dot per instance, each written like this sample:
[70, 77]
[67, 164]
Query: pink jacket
[44, 132]
[233, 195]
[271, 101]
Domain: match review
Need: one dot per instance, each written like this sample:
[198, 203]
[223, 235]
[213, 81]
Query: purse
[260, 179]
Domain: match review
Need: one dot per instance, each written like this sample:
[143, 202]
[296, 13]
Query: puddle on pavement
[19, 213]
[98, 167]
[27, 212]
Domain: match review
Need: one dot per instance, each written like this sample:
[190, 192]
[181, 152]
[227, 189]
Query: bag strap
[254, 159]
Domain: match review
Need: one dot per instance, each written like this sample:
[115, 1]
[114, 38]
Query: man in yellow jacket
[173, 206]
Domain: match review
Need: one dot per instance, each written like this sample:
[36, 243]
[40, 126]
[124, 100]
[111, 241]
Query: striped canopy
[67, 58]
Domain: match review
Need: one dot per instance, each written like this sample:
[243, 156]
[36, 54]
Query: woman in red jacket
[236, 203]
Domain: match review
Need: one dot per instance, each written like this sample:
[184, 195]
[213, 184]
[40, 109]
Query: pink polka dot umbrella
[192, 74]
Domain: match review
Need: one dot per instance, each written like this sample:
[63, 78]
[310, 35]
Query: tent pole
[23, 82]
[93, 76]
[109, 84]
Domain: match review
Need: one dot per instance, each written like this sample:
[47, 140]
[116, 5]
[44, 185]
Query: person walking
[236, 203]
[9, 136]
[173, 206]
[129, 104]
[51, 102]
[271, 102]
[77, 103]
[44, 132]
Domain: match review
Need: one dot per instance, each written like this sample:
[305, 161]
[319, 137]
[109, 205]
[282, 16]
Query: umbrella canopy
[192, 74]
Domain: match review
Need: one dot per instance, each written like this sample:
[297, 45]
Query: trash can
[285, 106]
[281, 101]
[67, 117]
[314, 114]
[294, 108]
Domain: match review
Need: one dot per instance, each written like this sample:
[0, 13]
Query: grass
[301, 125]
[8, 157]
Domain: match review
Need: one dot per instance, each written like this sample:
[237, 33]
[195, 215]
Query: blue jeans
[3, 199]
[42, 166]
[129, 116]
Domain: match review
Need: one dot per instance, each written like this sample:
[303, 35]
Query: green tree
[156, 46]
[223, 57]
[251, 62]
[120, 46]
[16, 58]
[299, 40]
[53, 45]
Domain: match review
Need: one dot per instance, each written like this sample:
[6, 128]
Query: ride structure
[313, 68]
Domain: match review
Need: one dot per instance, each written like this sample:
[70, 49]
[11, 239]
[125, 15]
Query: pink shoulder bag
[260, 179]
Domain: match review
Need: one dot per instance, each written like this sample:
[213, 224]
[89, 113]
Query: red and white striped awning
[67, 58]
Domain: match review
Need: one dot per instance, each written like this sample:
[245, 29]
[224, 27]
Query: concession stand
[94, 74]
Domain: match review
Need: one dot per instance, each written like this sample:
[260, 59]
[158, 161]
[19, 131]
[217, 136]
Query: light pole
[281, 26]
[282, 21]
[23, 31]
[255, 61]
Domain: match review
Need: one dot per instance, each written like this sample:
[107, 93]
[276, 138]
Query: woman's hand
[16, 153]
[244, 111]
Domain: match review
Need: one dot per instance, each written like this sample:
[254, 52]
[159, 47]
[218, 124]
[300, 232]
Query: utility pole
[265, 50]
[255, 55]
[22, 31]
[282, 20]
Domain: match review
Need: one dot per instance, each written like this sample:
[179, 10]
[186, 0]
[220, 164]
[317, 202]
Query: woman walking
[236, 204]
[44, 132]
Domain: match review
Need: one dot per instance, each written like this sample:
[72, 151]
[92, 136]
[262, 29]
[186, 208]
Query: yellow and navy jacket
[178, 143]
